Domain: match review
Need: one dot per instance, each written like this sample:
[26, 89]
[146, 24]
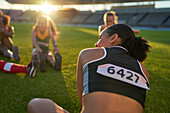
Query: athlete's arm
[43, 44]
[86, 56]
[56, 49]
[9, 33]
[34, 42]
[1, 21]
[80, 76]
[136, 31]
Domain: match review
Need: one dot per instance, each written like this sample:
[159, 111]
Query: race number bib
[122, 74]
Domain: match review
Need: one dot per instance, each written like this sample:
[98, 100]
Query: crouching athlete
[110, 78]
[42, 32]
[7, 48]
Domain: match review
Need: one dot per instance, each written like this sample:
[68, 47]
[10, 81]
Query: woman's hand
[56, 49]
[38, 50]
[137, 32]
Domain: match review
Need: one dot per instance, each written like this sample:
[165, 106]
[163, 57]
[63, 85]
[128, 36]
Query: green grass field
[16, 90]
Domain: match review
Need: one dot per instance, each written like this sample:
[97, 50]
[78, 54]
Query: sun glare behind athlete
[46, 8]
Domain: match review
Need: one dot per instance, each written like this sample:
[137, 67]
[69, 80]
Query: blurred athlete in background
[10, 51]
[43, 31]
[110, 18]
[7, 47]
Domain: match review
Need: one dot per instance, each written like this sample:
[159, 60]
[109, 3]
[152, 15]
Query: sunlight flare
[46, 8]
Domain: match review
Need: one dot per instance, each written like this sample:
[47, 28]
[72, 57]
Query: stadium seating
[26, 16]
[141, 17]
[136, 18]
[65, 15]
[154, 19]
[167, 22]
[5, 12]
[81, 17]
[95, 18]
[124, 17]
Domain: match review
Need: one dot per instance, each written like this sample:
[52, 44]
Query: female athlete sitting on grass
[7, 47]
[110, 77]
[43, 31]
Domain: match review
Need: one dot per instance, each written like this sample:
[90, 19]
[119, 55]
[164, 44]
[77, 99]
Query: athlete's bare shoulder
[89, 51]
[90, 54]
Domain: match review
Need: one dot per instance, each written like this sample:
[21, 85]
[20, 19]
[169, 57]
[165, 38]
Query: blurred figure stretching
[6, 44]
[42, 32]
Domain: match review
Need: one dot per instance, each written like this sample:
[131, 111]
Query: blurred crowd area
[134, 16]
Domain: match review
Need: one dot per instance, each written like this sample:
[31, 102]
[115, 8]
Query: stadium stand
[5, 12]
[154, 19]
[166, 23]
[143, 16]
[15, 14]
[124, 17]
[65, 15]
[66, 2]
[81, 17]
[136, 18]
[30, 15]
[95, 18]
[146, 16]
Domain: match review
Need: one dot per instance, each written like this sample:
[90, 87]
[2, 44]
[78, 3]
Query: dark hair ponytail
[137, 47]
